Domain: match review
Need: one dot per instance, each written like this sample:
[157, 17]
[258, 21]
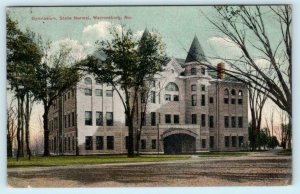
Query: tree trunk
[46, 131]
[130, 136]
[9, 138]
[19, 128]
[27, 127]
[22, 127]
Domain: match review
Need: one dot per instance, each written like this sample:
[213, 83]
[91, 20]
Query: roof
[196, 52]
[146, 33]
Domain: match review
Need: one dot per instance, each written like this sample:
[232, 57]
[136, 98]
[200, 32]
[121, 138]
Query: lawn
[223, 154]
[39, 161]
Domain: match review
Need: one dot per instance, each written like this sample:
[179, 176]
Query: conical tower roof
[196, 52]
[146, 33]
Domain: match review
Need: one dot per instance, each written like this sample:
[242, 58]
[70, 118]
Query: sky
[177, 26]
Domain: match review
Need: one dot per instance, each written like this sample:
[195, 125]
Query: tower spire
[196, 52]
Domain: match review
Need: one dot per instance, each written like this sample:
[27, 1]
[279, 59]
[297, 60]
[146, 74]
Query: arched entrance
[179, 143]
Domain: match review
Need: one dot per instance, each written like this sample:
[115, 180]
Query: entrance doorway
[179, 144]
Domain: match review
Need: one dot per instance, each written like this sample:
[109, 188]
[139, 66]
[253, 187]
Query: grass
[222, 154]
[287, 152]
[40, 161]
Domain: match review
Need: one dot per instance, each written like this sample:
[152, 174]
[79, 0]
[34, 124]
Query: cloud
[223, 46]
[100, 30]
[262, 63]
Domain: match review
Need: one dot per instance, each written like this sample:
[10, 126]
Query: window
[69, 95]
[153, 83]
[153, 118]
[65, 97]
[88, 142]
[73, 118]
[241, 141]
[202, 100]
[211, 141]
[193, 71]
[98, 92]
[233, 122]
[211, 100]
[143, 144]
[232, 101]
[176, 119]
[109, 93]
[168, 97]
[171, 87]
[203, 142]
[194, 119]
[227, 141]
[65, 121]
[110, 142]
[88, 81]
[73, 143]
[226, 92]
[73, 92]
[202, 70]
[99, 118]
[143, 118]
[233, 141]
[153, 143]
[211, 121]
[240, 101]
[88, 118]
[153, 96]
[126, 120]
[194, 87]
[175, 98]
[87, 91]
[167, 118]
[240, 122]
[226, 100]
[99, 142]
[226, 121]
[69, 120]
[109, 119]
[69, 143]
[203, 118]
[233, 92]
[65, 143]
[202, 88]
[126, 142]
[240, 93]
[194, 100]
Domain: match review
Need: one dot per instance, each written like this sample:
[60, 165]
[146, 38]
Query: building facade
[190, 109]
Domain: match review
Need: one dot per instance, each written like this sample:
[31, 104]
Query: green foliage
[272, 142]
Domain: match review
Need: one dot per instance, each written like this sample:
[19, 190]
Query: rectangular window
[233, 122]
[194, 119]
[203, 141]
[233, 141]
[176, 119]
[73, 118]
[203, 118]
[226, 121]
[110, 140]
[143, 144]
[69, 143]
[109, 93]
[240, 122]
[126, 142]
[72, 92]
[202, 100]
[153, 143]
[167, 118]
[88, 142]
[211, 141]
[153, 96]
[143, 118]
[167, 97]
[153, 118]
[88, 118]
[98, 92]
[99, 142]
[99, 118]
[73, 143]
[65, 121]
[153, 83]
[202, 88]
[241, 141]
[87, 91]
[227, 141]
[225, 100]
[211, 121]
[194, 100]
[211, 100]
[194, 87]
[65, 97]
[232, 100]
[69, 120]
[109, 119]
[69, 95]
[240, 101]
[175, 98]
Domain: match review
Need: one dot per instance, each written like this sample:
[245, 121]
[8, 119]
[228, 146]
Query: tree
[272, 142]
[237, 24]
[126, 64]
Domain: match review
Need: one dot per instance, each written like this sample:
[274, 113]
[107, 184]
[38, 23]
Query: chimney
[221, 70]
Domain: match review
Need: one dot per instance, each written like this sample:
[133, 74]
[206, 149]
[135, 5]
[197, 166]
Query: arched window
[226, 92]
[233, 92]
[88, 81]
[193, 71]
[202, 70]
[172, 87]
[240, 93]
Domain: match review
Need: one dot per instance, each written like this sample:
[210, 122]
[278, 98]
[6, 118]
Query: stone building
[190, 109]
